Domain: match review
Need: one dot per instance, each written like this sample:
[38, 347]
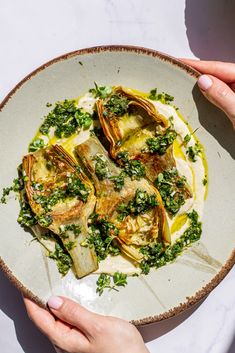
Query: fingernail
[204, 82]
[55, 302]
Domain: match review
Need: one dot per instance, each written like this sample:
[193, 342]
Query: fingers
[232, 86]
[221, 70]
[41, 317]
[218, 93]
[59, 333]
[74, 314]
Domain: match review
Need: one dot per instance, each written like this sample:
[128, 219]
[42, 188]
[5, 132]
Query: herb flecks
[171, 186]
[16, 186]
[118, 180]
[77, 188]
[104, 282]
[36, 145]
[63, 259]
[102, 236]
[45, 220]
[142, 202]
[187, 138]
[204, 181]
[156, 256]
[100, 91]
[116, 106]
[26, 217]
[101, 166]
[161, 142]
[163, 97]
[132, 167]
[194, 151]
[75, 229]
[66, 118]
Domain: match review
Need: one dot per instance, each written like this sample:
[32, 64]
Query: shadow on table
[158, 329]
[232, 346]
[214, 121]
[29, 337]
[211, 28]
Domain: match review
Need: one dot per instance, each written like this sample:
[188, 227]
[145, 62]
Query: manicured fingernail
[55, 302]
[204, 82]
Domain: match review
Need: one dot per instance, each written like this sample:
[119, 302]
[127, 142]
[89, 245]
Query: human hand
[217, 83]
[74, 329]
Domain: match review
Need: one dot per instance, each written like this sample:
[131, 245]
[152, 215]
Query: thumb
[218, 93]
[74, 314]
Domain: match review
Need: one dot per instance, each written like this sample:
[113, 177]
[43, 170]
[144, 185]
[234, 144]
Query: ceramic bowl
[164, 292]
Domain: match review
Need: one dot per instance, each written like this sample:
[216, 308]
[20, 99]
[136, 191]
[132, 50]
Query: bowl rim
[204, 291]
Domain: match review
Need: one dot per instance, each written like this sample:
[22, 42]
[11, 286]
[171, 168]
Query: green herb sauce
[66, 118]
[156, 256]
[165, 98]
[194, 151]
[141, 203]
[160, 143]
[116, 106]
[171, 187]
[62, 258]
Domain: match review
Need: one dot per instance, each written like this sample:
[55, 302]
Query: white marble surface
[32, 33]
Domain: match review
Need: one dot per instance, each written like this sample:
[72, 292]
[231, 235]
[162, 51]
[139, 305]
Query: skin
[222, 91]
[77, 330]
[74, 329]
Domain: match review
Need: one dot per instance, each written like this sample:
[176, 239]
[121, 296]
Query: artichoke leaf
[130, 131]
[134, 230]
[62, 197]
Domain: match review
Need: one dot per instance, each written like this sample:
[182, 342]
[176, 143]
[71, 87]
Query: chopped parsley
[74, 187]
[5, 192]
[204, 181]
[36, 145]
[70, 245]
[187, 138]
[48, 201]
[104, 282]
[118, 180]
[100, 91]
[16, 186]
[171, 187]
[132, 167]
[160, 143]
[26, 216]
[44, 220]
[141, 203]
[165, 98]
[63, 259]
[74, 228]
[66, 118]
[116, 106]
[101, 167]
[156, 256]
[193, 151]
[102, 238]
[77, 188]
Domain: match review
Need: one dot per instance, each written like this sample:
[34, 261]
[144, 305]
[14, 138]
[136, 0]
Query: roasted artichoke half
[137, 131]
[62, 197]
[133, 207]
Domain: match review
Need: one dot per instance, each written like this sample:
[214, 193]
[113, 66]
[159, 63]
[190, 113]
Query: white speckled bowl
[172, 288]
